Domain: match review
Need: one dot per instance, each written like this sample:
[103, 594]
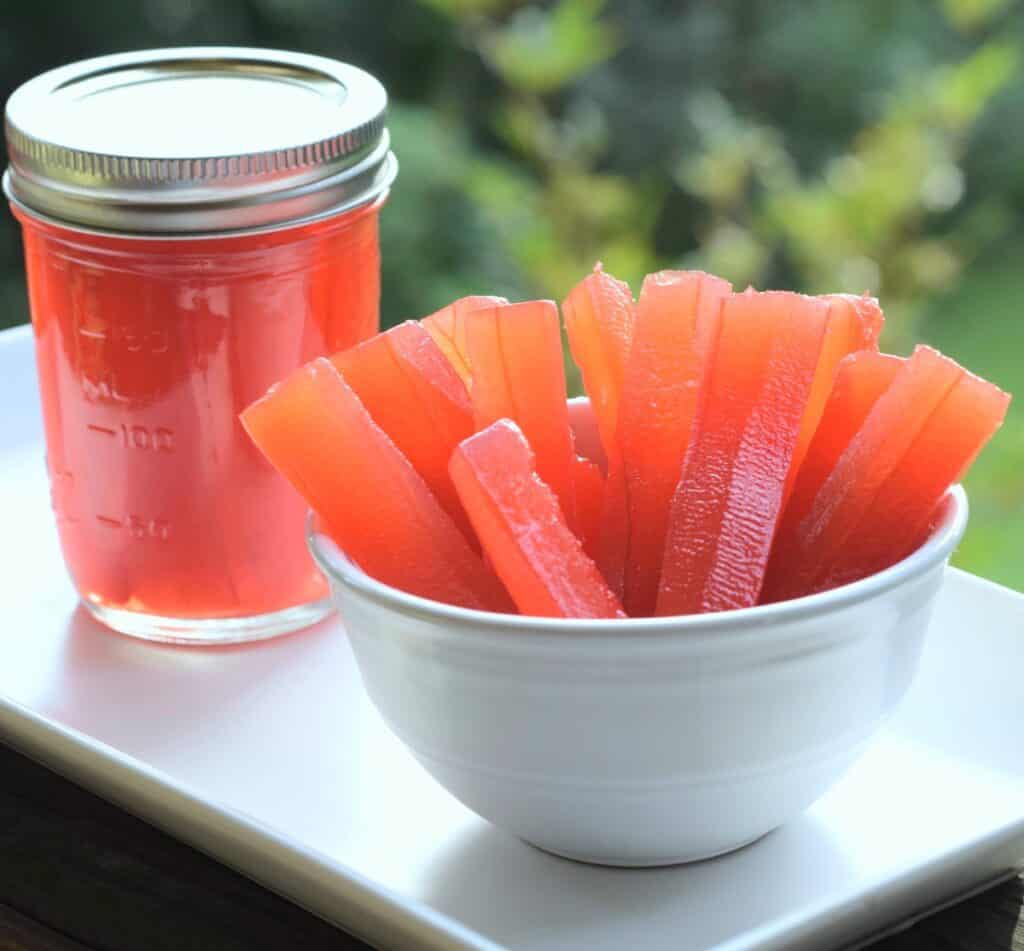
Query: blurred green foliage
[782, 143]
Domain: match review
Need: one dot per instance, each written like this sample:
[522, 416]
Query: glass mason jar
[197, 223]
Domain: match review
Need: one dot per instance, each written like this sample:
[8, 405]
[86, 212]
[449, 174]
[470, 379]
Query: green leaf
[463, 9]
[539, 51]
[964, 90]
[968, 15]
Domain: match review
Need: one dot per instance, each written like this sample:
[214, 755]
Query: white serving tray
[270, 758]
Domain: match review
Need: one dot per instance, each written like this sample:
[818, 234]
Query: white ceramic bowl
[644, 741]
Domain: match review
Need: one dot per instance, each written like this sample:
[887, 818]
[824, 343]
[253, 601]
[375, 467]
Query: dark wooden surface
[78, 874]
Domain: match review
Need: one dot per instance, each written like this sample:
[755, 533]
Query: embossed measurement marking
[135, 341]
[133, 338]
[102, 390]
[153, 438]
[158, 529]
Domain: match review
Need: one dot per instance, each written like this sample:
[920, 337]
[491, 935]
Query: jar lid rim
[197, 139]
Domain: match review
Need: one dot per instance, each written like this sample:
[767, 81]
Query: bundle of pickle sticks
[753, 447]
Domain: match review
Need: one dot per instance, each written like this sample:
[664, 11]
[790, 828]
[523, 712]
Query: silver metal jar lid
[197, 141]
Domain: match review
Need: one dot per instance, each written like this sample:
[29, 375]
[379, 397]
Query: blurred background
[803, 144]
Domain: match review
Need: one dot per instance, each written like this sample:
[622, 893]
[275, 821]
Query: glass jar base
[210, 631]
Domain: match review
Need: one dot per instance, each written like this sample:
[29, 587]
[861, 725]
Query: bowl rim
[938, 547]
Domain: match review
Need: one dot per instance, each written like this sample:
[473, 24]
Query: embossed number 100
[141, 437]
[156, 528]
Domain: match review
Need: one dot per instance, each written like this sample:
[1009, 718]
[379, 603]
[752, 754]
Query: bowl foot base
[659, 861]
